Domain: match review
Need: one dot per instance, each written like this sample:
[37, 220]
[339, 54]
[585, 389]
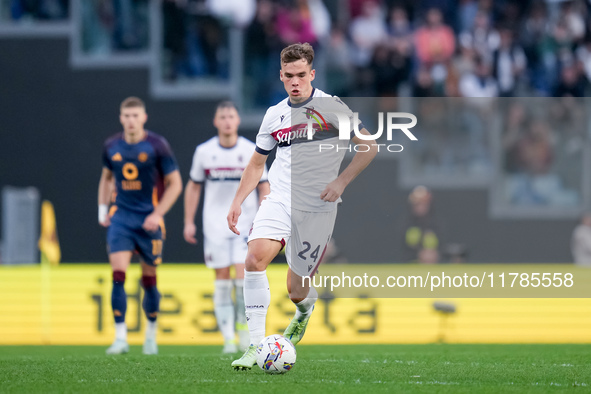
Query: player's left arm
[335, 189]
[173, 186]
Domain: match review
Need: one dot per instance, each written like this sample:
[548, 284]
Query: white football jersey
[221, 169]
[304, 165]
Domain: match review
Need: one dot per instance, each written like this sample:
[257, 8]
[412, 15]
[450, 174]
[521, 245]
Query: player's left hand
[152, 222]
[333, 191]
[233, 215]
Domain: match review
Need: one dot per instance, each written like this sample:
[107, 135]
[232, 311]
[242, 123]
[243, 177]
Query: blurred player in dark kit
[147, 181]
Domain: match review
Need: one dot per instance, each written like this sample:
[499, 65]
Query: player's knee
[255, 262]
[119, 276]
[148, 281]
[239, 271]
[148, 270]
[222, 273]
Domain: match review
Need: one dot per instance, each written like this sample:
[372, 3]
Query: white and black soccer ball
[276, 354]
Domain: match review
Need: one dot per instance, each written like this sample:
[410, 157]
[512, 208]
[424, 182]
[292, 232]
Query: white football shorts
[224, 252]
[304, 234]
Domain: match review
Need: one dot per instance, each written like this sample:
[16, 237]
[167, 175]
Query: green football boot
[248, 359]
[296, 329]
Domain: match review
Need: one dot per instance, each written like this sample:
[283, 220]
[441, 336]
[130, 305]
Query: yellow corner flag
[48, 242]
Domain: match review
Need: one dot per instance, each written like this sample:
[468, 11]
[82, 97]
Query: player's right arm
[249, 181]
[192, 196]
[104, 196]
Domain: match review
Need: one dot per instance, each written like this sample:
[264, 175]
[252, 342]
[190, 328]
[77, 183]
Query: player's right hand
[189, 233]
[106, 222]
[233, 216]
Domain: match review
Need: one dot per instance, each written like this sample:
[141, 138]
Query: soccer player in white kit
[301, 209]
[219, 163]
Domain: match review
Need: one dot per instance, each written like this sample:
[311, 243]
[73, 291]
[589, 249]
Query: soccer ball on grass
[276, 354]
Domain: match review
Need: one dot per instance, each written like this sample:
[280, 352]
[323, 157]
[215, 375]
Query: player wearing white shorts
[306, 187]
[218, 163]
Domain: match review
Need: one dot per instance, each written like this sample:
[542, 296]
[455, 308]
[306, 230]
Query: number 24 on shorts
[307, 247]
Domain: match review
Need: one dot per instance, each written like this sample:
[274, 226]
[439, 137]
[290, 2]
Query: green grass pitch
[319, 369]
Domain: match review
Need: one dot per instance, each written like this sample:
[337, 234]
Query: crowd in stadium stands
[23, 10]
[425, 48]
[367, 47]
[195, 41]
[470, 48]
[114, 25]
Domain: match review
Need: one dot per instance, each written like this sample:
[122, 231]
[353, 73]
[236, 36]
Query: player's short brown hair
[133, 102]
[298, 51]
[226, 104]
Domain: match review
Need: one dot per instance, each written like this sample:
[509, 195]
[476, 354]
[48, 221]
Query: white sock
[257, 298]
[224, 308]
[121, 331]
[304, 307]
[240, 311]
[151, 330]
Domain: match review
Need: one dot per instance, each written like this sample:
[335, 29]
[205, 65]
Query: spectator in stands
[399, 42]
[339, 68]
[480, 83]
[509, 62]
[174, 19]
[423, 84]
[534, 149]
[39, 9]
[320, 17]
[535, 183]
[467, 13]
[367, 31]
[294, 24]
[435, 41]
[131, 25]
[541, 166]
[553, 51]
[571, 84]
[97, 24]
[207, 42]
[421, 231]
[114, 26]
[399, 36]
[516, 122]
[232, 12]
[483, 38]
[581, 241]
[262, 46]
[385, 77]
[584, 58]
[535, 28]
[573, 14]
[463, 62]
